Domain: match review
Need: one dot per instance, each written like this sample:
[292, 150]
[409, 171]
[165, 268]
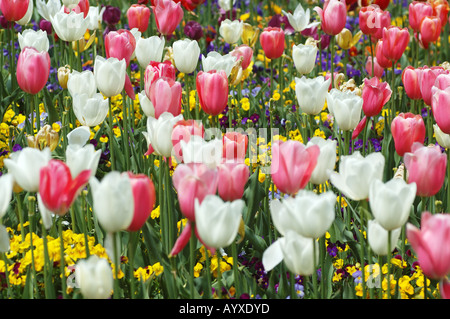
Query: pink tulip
[427, 78]
[168, 15]
[244, 51]
[427, 168]
[33, 69]
[444, 288]
[233, 176]
[14, 10]
[165, 95]
[144, 197]
[395, 41]
[382, 60]
[378, 69]
[182, 131]
[156, 70]
[333, 16]
[430, 30]
[184, 238]
[384, 21]
[234, 146]
[440, 105]
[57, 188]
[81, 7]
[406, 129]
[431, 243]
[417, 11]
[372, 20]
[375, 95]
[138, 16]
[410, 79]
[292, 165]
[272, 42]
[440, 9]
[120, 44]
[212, 89]
[193, 181]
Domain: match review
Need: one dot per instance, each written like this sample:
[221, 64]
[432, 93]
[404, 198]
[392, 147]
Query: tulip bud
[63, 75]
[249, 35]
[345, 39]
[46, 137]
[333, 16]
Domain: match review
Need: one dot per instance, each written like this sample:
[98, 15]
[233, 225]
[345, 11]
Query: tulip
[168, 16]
[357, 173]
[346, 108]
[375, 95]
[145, 104]
[226, 5]
[112, 205]
[58, 188]
[69, 26]
[217, 222]
[14, 10]
[48, 9]
[333, 16]
[95, 17]
[198, 150]
[440, 9]
[235, 146]
[296, 251]
[109, 75]
[304, 56]
[36, 39]
[391, 202]
[430, 243]
[182, 131]
[138, 17]
[381, 58]
[159, 133]
[212, 89]
[156, 70]
[120, 44]
[326, 160]
[144, 197]
[311, 93]
[292, 165]
[372, 20]
[395, 41]
[418, 10]
[165, 95]
[33, 69]
[193, 30]
[410, 80]
[244, 51]
[193, 181]
[272, 42]
[378, 69]
[186, 53]
[46, 137]
[427, 168]
[440, 107]
[81, 6]
[149, 49]
[90, 111]
[430, 30]
[214, 61]
[249, 35]
[6, 185]
[346, 40]
[406, 129]
[25, 166]
[377, 237]
[442, 138]
[444, 288]
[299, 20]
[82, 83]
[233, 177]
[94, 277]
[231, 31]
[427, 79]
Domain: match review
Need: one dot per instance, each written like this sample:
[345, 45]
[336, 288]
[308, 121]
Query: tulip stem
[31, 215]
[126, 140]
[208, 273]
[314, 274]
[236, 269]
[389, 264]
[219, 275]
[111, 137]
[62, 262]
[332, 60]
[192, 244]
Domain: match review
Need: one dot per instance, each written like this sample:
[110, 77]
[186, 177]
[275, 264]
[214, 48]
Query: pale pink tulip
[33, 69]
[233, 176]
[165, 95]
[333, 16]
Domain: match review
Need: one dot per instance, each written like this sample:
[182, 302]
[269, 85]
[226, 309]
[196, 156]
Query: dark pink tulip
[212, 89]
[395, 41]
[272, 42]
[333, 16]
[233, 176]
[410, 79]
[431, 243]
[168, 15]
[165, 95]
[184, 238]
[375, 95]
[33, 69]
[426, 167]
[182, 131]
[14, 10]
[417, 11]
[138, 17]
[440, 105]
[292, 165]
[427, 79]
[406, 129]
[144, 197]
[120, 44]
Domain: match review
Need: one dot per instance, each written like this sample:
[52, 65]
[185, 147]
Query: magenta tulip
[233, 176]
[426, 167]
[377, 68]
[382, 60]
[406, 129]
[333, 16]
[272, 42]
[165, 95]
[375, 95]
[292, 165]
[235, 146]
[33, 69]
[168, 15]
[395, 41]
[212, 89]
[244, 51]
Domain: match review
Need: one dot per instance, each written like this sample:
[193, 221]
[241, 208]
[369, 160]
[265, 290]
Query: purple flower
[111, 15]
[193, 30]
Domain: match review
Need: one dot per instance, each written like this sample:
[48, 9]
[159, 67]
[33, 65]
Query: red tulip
[82, 6]
[234, 146]
[430, 30]
[431, 243]
[333, 16]
[14, 10]
[156, 70]
[395, 41]
[183, 130]
[190, 5]
[292, 165]
[417, 11]
[57, 188]
[168, 15]
[165, 95]
[233, 176]
[407, 128]
[410, 79]
[120, 44]
[212, 89]
[440, 105]
[144, 197]
[375, 95]
[272, 42]
[33, 69]
[426, 167]
[427, 79]
[138, 17]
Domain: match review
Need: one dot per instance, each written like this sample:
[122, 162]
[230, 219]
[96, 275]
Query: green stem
[111, 136]
[192, 245]
[62, 261]
[219, 275]
[116, 266]
[314, 274]
[236, 269]
[208, 274]
[126, 140]
[31, 215]
[389, 265]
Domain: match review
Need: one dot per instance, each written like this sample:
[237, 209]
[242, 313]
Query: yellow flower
[320, 133]
[197, 269]
[155, 213]
[158, 269]
[143, 274]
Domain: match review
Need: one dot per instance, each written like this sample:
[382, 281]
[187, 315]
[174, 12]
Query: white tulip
[94, 277]
[48, 9]
[299, 20]
[198, 150]
[377, 237]
[442, 138]
[326, 160]
[149, 49]
[81, 82]
[304, 56]
[110, 75]
[90, 111]
[146, 105]
[346, 108]
[356, 173]
[95, 17]
[46, 214]
[6, 187]
[79, 155]
[217, 222]
[36, 39]
[186, 53]
[70, 4]
[69, 26]
[25, 166]
[311, 93]
[231, 31]
[226, 5]
[215, 61]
